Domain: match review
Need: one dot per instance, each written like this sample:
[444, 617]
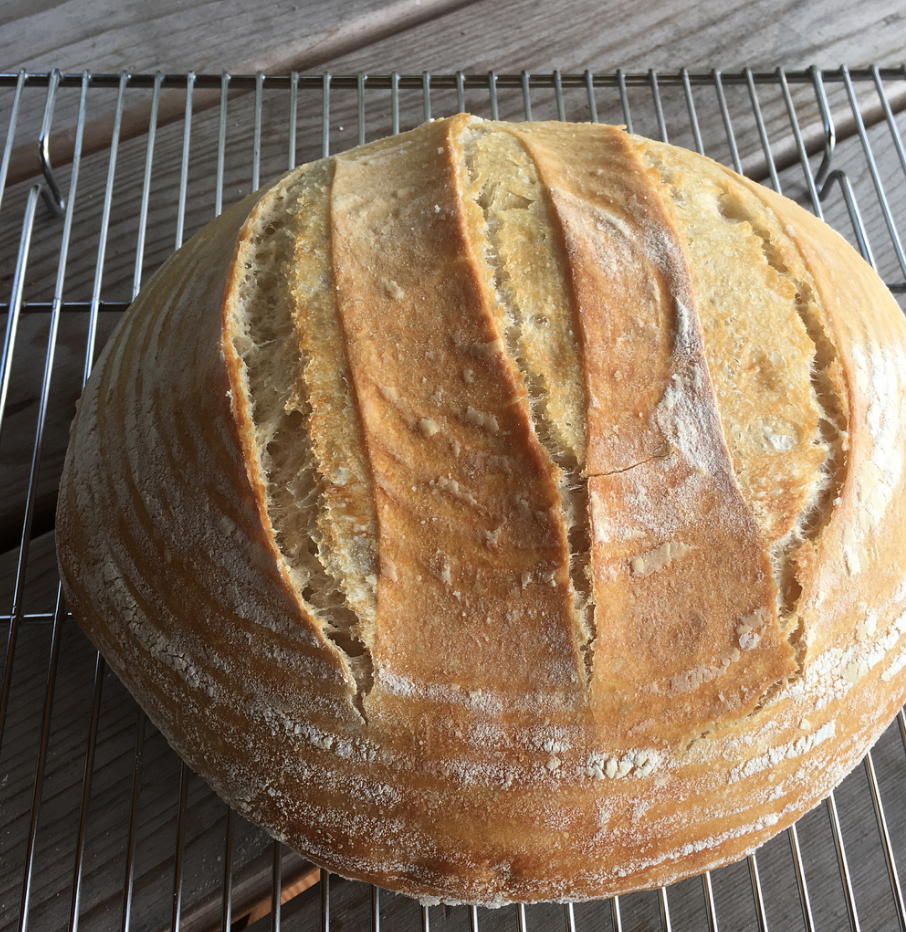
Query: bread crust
[501, 749]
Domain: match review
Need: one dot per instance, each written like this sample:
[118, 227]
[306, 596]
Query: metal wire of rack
[102, 826]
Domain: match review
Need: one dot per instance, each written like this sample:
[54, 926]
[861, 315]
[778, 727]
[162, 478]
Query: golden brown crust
[467, 508]
[685, 608]
[481, 762]
[866, 326]
[766, 369]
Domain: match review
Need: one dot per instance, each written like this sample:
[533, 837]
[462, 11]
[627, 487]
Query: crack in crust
[525, 266]
[318, 487]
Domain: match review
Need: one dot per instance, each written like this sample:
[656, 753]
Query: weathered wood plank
[145, 37]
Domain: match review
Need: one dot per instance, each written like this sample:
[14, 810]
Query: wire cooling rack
[101, 826]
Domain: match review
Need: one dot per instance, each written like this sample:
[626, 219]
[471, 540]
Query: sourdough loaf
[503, 512]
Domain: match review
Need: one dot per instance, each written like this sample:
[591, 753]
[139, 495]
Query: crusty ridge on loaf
[474, 568]
[284, 328]
[769, 356]
[526, 266]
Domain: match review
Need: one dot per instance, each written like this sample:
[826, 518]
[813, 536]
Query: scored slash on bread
[503, 511]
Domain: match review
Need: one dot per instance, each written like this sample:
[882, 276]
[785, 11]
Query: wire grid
[102, 826]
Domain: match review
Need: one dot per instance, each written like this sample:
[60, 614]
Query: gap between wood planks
[306, 878]
[248, 909]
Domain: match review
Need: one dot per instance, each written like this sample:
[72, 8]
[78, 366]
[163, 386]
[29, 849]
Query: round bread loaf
[503, 511]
